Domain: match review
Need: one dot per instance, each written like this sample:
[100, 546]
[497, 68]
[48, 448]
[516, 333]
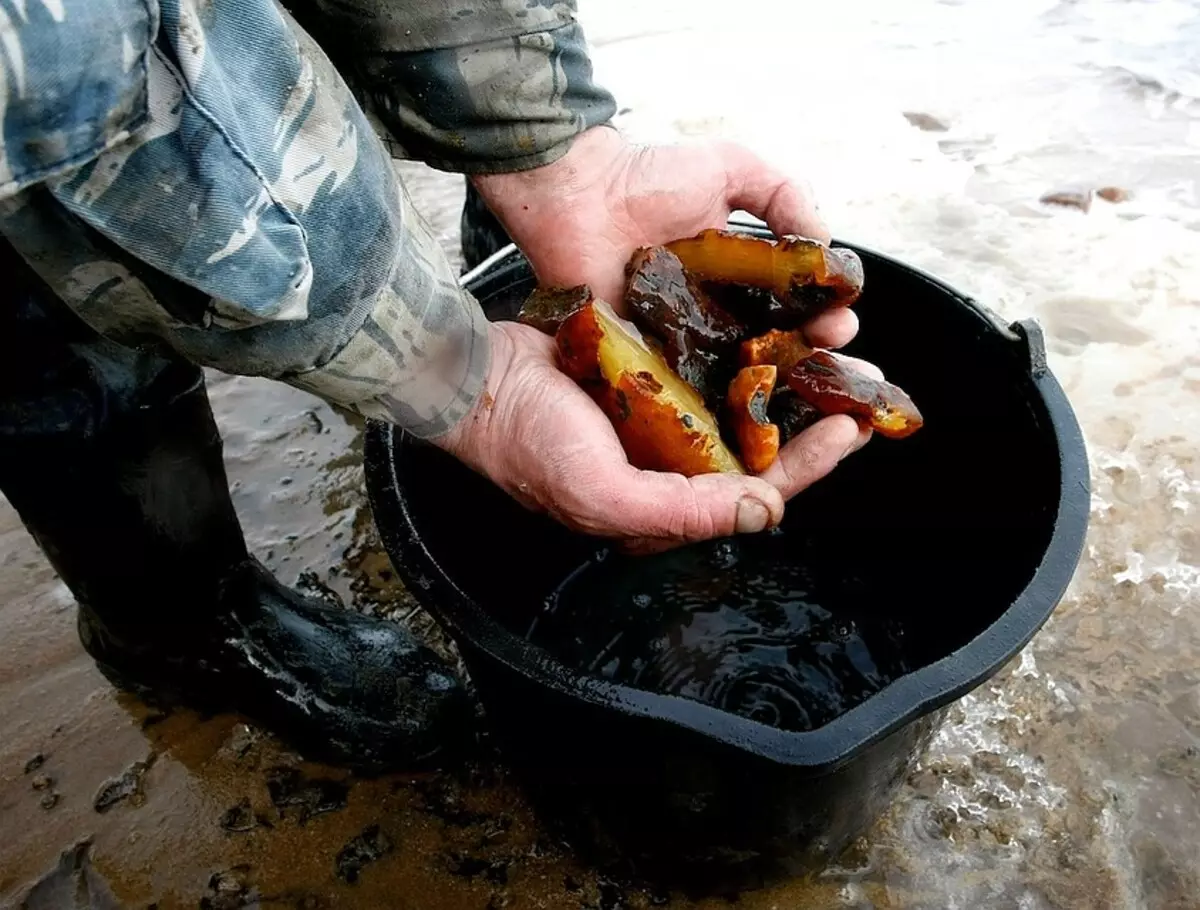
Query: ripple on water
[728, 624]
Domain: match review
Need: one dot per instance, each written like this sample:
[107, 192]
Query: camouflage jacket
[198, 177]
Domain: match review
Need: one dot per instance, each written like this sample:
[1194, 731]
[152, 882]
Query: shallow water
[1070, 781]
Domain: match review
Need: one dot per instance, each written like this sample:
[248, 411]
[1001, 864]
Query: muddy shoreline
[1071, 780]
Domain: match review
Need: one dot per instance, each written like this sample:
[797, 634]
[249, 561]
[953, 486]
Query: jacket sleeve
[471, 86]
[232, 208]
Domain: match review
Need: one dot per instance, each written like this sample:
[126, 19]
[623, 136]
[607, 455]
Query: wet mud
[1071, 780]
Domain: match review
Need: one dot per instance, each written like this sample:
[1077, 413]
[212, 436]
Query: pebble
[1078, 199]
[238, 817]
[1081, 198]
[925, 122]
[241, 740]
[371, 845]
[41, 782]
[127, 786]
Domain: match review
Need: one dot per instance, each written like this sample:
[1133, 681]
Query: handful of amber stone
[692, 384]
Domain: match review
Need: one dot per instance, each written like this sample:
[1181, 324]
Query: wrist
[465, 439]
[522, 198]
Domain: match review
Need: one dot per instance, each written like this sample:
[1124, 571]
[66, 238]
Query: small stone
[41, 782]
[1113, 194]
[1078, 199]
[925, 122]
[49, 800]
[238, 818]
[241, 740]
[369, 846]
[469, 867]
[229, 890]
[127, 786]
[34, 763]
[306, 797]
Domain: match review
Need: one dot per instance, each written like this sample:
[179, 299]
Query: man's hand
[579, 219]
[539, 437]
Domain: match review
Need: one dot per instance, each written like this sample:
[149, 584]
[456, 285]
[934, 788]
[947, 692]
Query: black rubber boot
[482, 233]
[113, 461]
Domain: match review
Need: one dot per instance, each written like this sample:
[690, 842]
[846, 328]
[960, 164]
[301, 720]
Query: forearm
[287, 251]
[413, 351]
[504, 87]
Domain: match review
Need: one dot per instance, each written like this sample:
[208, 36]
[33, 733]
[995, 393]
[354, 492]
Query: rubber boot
[113, 461]
[482, 235]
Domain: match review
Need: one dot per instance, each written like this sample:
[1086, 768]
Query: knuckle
[689, 519]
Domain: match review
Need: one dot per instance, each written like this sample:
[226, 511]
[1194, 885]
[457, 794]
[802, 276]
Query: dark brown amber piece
[749, 395]
[805, 276]
[756, 309]
[547, 308]
[835, 387]
[672, 304]
[781, 349]
[667, 303]
[662, 422]
[791, 413]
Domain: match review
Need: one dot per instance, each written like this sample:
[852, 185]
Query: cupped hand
[538, 436]
[579, 219]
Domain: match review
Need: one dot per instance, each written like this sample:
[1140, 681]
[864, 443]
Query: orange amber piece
[757, 437]
[834, 387]
[782, 349]
[807, 277]
[662, 422]
[547, 308]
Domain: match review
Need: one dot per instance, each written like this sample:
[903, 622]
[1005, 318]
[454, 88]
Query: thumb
[787, 206]
[678, 509]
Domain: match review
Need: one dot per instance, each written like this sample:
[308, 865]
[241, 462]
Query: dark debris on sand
[305, 797]
[126, 786]
[230, 890]
[241, 817]
[365, 848]
[443, 798]
[464, 865]
[926, 122]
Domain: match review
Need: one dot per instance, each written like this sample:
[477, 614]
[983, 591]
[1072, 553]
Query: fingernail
[752, 516]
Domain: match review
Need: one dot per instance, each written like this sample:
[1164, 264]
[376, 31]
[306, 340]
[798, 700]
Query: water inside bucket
[739, 624]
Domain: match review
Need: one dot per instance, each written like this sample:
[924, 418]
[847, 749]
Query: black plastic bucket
[972, 529]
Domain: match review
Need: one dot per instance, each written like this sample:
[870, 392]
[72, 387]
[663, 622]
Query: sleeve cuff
[420, 359]
[496, 106]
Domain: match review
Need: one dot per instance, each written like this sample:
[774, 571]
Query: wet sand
[1072, 780]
